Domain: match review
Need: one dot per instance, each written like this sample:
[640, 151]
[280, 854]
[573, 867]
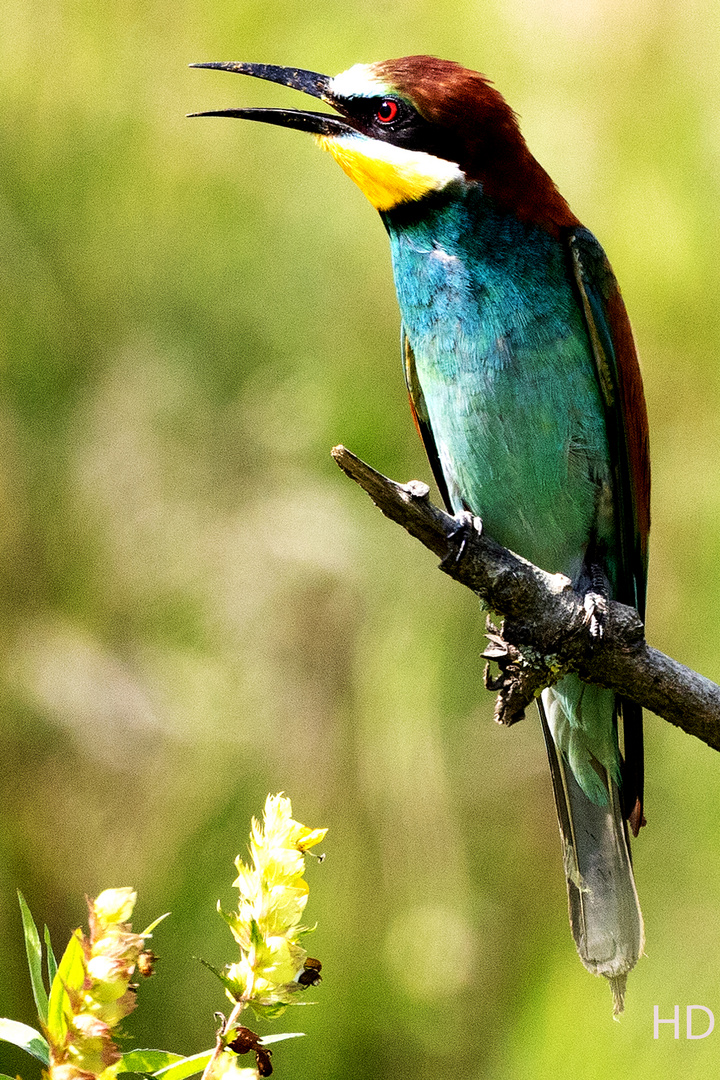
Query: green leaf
[256, 934]
[151, 927]
[147, 1061]
[229, 916]
[33, 949]
[4, 1076]
[186, 1067]
[50, 957]
[227, 982]
[266, 1040]
[269, 1012]
[70, 975]
[180, 1068]
[26, 1038]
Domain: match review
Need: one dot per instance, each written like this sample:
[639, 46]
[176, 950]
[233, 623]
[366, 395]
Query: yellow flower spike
[91, 992]
[272, 968]
[273, 896]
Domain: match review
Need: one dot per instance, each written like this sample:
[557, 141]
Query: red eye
[387, 112]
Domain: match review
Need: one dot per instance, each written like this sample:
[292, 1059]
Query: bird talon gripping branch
[459, 538]
[596, 608]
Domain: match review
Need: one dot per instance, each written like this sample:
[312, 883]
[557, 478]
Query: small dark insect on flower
[146, 963]
[264, 1065]
[246, 1040]
[310, 975]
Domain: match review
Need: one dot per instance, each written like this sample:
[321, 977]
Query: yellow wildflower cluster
[92, 991]
[267, 927]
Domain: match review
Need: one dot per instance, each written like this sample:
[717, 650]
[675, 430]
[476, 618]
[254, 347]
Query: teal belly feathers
[505, 367]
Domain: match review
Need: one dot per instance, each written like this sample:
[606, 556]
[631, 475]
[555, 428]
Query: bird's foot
[596, 602]
[466, 525]
[596, 608]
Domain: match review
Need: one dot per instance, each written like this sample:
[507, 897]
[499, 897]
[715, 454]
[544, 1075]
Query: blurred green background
[199, 609]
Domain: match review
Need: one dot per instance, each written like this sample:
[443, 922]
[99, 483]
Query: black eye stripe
[406, 128]
[381, 110]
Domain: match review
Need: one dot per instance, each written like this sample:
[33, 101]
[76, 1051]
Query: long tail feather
[605, 915]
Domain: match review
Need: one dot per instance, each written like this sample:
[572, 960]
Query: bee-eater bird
[525, 387]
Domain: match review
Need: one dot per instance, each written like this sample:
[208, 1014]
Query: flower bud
[110, 978]
[114, 906]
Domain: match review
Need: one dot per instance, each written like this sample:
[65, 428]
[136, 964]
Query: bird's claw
[596, 608]
[458, 539]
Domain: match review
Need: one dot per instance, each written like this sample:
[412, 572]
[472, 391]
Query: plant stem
[220, 1042]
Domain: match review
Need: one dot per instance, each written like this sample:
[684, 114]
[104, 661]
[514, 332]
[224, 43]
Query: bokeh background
[199, 609]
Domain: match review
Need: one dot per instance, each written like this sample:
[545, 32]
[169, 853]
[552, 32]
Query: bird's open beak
[310, 82]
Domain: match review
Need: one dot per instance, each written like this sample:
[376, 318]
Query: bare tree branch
[547, 625]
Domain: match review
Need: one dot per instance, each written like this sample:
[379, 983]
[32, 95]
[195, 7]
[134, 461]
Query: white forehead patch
[359, 81]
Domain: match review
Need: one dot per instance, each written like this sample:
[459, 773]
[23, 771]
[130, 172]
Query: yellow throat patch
[387, 174]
